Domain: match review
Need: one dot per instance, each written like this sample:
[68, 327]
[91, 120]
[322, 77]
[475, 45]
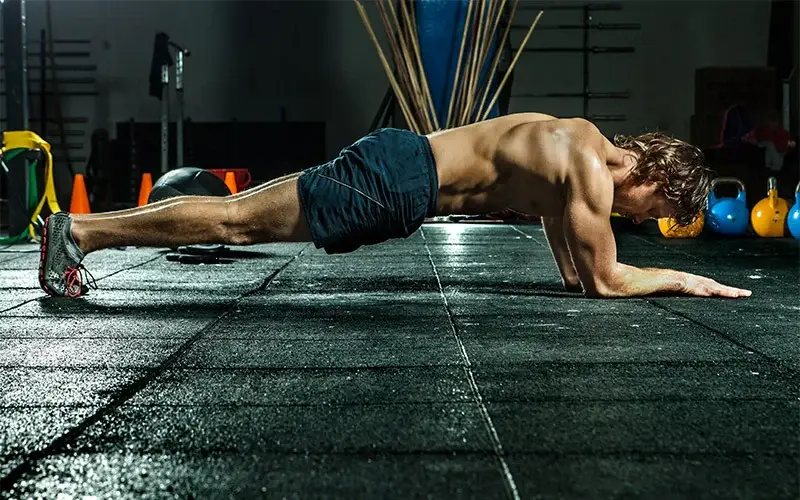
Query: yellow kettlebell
[768, 217]
[670, 229]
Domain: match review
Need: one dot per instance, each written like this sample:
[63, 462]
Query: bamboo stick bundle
[411, 26]
[405, 61]
[487, 42]
[479, 55]
[396, 45]
[484, 42]
[476, 62]
[469, 30]
[425, 102]
[389, 73]
[458, 66]
[511, 66]
[497, 56]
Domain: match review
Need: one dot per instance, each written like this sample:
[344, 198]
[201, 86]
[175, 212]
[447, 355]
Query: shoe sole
[43, 259]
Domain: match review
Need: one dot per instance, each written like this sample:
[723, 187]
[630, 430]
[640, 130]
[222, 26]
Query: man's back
[519, 161]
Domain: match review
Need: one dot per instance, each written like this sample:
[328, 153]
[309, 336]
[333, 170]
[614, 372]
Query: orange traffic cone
[144, 190]
[79, 204]
[230, 181]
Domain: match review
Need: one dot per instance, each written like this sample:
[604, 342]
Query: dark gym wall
[313, 58]
[675, 39]
[249, 60]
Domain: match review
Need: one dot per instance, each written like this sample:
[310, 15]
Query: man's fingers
[706, 287]
[739, 292]
[734, 293]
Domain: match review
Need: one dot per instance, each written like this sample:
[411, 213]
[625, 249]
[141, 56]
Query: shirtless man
[388, 182]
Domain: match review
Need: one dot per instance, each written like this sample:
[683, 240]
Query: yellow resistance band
[25, 139]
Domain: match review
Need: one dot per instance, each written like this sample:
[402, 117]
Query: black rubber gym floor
[449, 365]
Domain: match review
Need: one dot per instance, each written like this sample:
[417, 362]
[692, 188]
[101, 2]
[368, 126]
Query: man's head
[668, 178]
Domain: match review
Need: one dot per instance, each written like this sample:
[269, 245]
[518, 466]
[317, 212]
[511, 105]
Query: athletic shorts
[381, 187]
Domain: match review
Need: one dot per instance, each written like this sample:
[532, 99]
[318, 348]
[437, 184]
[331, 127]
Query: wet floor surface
[448, 365]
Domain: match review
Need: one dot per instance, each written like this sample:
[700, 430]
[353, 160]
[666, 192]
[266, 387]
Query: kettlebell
[793, 220]
[670, 229]
[726, 215]
[769, 215]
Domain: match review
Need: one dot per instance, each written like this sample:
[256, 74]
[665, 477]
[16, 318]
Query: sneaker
[60, 270]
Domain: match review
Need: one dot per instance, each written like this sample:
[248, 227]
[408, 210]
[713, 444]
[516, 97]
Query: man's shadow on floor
[393, 284]
[208, 307]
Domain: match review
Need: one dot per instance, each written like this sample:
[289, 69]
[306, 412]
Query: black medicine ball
[187, 181]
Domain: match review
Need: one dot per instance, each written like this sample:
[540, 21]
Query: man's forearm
[554, 231]
[629, 281]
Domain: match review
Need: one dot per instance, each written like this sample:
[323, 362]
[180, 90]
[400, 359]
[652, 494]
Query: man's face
[641, 203]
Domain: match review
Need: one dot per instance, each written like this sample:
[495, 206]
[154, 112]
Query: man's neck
[620, 162]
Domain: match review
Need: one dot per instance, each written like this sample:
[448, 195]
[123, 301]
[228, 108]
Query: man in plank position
[388, 182]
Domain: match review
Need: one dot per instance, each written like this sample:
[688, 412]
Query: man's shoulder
[588, 150]
[577, 148]
[581, 132]
[586, 132]
[533, 117]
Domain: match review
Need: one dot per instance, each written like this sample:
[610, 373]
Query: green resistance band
[33, 193]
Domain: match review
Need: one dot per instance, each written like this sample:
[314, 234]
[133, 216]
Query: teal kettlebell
[726, 215]
[793, 219]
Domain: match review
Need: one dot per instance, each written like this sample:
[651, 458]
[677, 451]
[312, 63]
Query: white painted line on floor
[496, 444]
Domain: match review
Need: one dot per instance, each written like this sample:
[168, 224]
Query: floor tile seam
[445, 453]
[215, 338]
[13, 259]
[530, 237]
[17, 306]
[233, 369]
[509, 482]
[211, 405]
[728, 338]
[505, 366]
[331, 403]
[365, 453]
[44, 296]
[705, 259]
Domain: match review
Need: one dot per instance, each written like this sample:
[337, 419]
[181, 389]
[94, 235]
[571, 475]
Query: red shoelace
[76, 277]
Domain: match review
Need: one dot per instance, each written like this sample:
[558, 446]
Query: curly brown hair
[676, 167]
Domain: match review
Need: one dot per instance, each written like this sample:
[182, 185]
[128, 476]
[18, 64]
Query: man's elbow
[592, 292]
[601, 287]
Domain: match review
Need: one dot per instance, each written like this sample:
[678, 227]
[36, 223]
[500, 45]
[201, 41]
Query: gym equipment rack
[585, 28]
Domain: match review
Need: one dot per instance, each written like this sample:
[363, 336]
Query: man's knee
[236, 223]
[248, 222]
[269, 216]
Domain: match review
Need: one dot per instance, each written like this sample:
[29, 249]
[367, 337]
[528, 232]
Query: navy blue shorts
[381, 187]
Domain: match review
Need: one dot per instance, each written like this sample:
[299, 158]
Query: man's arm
[591, 243]
[554, 232]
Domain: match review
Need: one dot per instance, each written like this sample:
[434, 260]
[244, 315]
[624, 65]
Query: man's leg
[267, 213]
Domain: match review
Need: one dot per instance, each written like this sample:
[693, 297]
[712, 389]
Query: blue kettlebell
[728, 216]
[793, 219]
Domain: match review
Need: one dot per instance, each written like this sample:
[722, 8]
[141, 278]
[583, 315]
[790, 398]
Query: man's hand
[706, 287]
[629, 281]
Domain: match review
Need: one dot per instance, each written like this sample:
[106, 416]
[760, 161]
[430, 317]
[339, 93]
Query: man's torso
[519, 161]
